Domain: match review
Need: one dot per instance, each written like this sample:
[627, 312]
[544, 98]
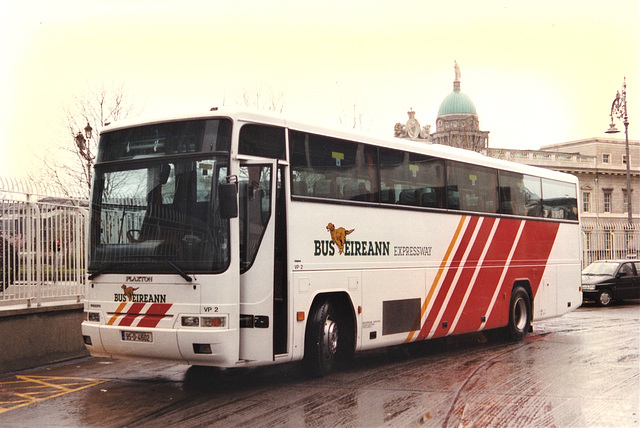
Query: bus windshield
[159, 215]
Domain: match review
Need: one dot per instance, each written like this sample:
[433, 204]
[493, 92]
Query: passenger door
[257, 193]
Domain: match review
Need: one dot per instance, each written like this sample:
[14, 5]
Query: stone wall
[36, 336]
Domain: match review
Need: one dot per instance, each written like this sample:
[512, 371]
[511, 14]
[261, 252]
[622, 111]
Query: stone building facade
[600, 165]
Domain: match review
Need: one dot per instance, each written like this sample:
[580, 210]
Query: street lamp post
[85, 149]
[619, 110]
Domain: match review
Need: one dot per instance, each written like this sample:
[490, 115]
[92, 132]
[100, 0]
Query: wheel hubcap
[520, 315]
[330, 336]
[605, 298]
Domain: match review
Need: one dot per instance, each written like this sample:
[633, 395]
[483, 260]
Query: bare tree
[263, 99]
[84, 118]
[353, 118]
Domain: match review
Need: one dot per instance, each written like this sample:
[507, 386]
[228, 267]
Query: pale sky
[539, 72]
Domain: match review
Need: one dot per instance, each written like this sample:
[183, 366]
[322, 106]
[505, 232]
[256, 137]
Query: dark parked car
[608, 280]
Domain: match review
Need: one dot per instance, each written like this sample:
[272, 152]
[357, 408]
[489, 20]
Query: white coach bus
[235, 238]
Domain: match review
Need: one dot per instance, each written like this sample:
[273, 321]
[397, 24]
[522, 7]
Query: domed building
[457, 123]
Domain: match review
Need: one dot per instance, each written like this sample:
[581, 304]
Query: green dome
[456, 103]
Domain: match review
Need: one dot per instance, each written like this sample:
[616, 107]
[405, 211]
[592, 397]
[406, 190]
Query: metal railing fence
[609, 240]
[42, 245]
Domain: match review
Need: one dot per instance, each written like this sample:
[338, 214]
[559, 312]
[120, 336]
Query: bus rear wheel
[322, 340]
[519, 315]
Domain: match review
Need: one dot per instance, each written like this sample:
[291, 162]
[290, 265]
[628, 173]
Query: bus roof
[246, 115]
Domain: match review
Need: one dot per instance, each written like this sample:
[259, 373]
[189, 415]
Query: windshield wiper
[96, 274]
[175, 267]
[180, 271]
[102, 270]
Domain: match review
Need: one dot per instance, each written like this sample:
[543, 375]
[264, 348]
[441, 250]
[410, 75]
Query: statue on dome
[456, 68]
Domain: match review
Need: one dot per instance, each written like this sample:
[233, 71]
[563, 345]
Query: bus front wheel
[519, 315]
[322, 340]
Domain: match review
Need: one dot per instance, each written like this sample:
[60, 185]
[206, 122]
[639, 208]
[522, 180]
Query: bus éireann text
[235, 238]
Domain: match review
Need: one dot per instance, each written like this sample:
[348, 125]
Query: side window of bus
[411, 179]
[520, 194]
[331, 168]
[472, 187]
[263, 141]
[559, 200]
[254, 183]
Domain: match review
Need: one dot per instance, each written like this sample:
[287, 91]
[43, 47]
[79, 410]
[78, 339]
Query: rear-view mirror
[228, 193]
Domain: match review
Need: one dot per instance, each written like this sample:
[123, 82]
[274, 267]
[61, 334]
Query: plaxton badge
[139, 279]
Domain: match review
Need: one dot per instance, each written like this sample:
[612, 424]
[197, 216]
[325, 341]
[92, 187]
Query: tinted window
[255, 210]
[160, 139]
[263, 141]
[411, 179]
[332, 168]
[559, 200]
[472, 187]
[520, 194]
[627, 269]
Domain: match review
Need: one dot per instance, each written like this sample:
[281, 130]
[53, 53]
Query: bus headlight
[219, 321]
[190, 321]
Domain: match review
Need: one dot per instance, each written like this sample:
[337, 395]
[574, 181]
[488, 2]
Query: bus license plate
[137, 336]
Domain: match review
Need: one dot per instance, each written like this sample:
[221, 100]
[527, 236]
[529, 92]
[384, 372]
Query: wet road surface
[579, 370]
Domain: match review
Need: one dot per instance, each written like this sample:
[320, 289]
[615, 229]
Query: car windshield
[159, 215]
[601, 268]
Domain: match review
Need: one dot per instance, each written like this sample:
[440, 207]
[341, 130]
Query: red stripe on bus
[528, 263]
[132, 313]
[489, 276]
[464, 274]
[455, 264]
[159, 308]
[441, 270]
[154, 315]
[465, 279]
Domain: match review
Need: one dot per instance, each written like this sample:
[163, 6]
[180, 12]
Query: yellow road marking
[24, 390]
